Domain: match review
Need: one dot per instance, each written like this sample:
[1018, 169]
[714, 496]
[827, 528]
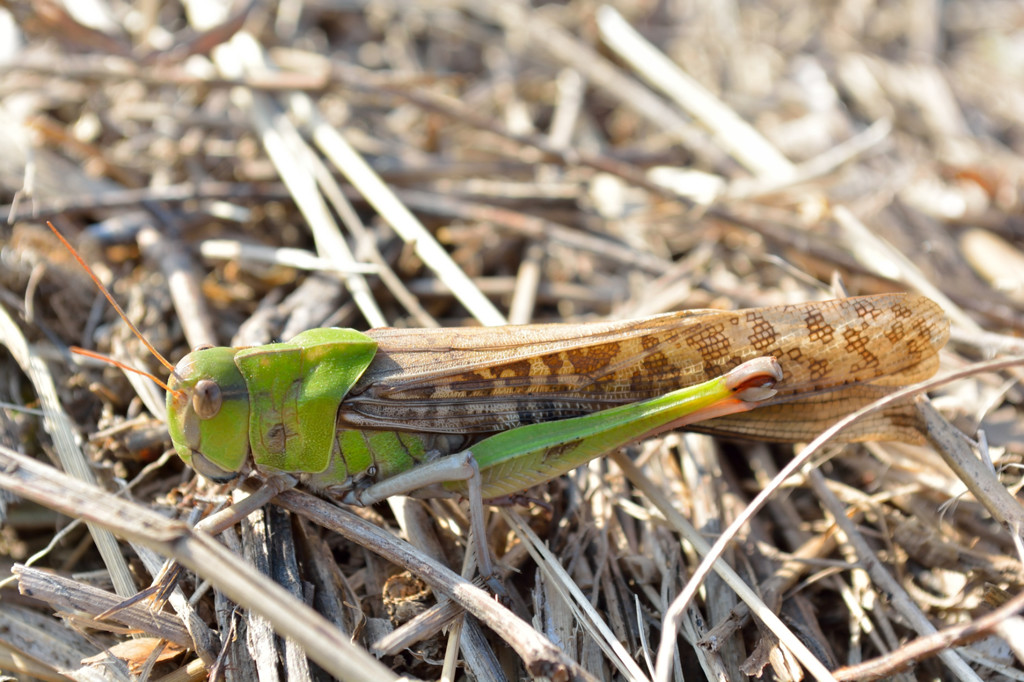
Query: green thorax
[295, 389]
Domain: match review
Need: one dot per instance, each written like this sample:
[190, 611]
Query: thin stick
[199, 552]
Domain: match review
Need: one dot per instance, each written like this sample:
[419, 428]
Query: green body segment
[513, 461]
[296, 389]
[375, 455]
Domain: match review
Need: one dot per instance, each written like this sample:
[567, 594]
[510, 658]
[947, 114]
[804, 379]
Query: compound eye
[206, 399]
[202, 346]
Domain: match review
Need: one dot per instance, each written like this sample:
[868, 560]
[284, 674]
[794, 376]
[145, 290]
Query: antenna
[131, 325]
[117, 363]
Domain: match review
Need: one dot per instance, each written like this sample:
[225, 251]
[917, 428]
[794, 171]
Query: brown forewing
[835, 355]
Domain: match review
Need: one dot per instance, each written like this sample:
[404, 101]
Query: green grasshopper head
[208, 413]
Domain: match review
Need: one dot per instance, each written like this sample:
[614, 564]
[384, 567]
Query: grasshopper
[347, 410]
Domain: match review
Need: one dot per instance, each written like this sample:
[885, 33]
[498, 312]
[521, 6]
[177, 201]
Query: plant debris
[237, 173]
